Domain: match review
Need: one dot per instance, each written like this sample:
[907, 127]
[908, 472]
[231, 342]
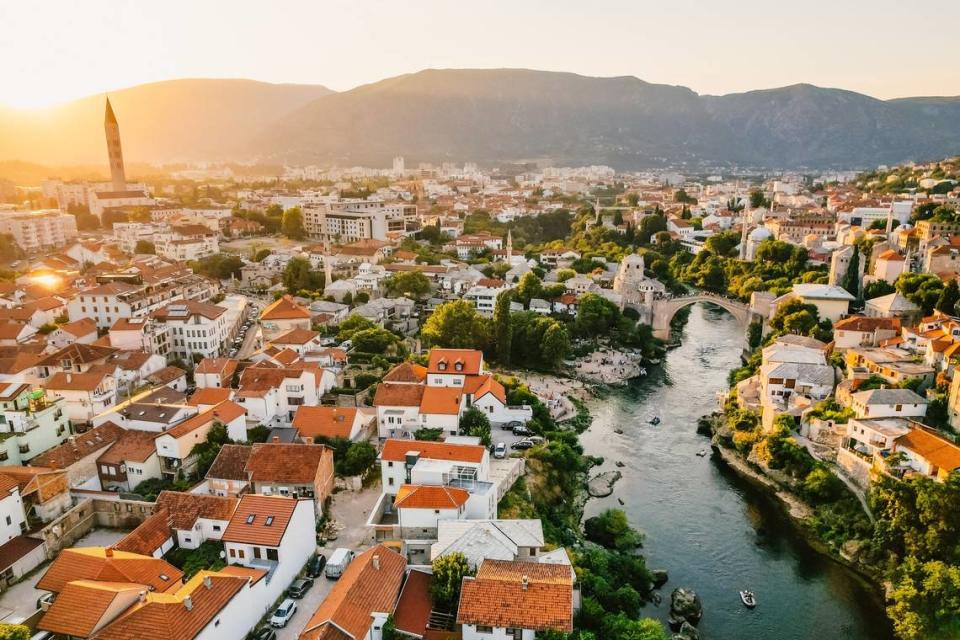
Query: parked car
[500, 451]
[265, 633]
[316, 565]
[338, 562]
[300, 587]
[521, 445]
[522, 431]
[283, 613]
[536, 439]
[513, 424]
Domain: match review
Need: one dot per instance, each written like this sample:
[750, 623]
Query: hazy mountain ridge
[492, 116]
[190, 119]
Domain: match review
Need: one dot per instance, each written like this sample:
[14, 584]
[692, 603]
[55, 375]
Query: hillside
[192, 119]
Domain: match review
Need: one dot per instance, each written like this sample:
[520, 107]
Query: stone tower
[509, 247]
[112, 131]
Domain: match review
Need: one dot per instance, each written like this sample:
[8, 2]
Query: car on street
[283, 614]
[316, 565]
[521, 445]
[300, 587]
[513, 424]
[500, 451]
[537, 439]
[522, 431]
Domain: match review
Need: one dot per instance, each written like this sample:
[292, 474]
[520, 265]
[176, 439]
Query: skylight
[269, 520]
[250, 518]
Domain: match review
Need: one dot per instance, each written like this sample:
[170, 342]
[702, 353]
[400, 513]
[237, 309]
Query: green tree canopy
[456, 325]
[474, 422]
[408, 283]
[292, 225]
[448, 573]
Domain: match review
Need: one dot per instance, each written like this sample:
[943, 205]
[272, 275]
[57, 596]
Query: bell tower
[115, 153]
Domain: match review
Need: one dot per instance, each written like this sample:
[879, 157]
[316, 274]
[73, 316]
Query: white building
[36, 231]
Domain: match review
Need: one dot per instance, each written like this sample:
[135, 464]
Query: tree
[723, 243]
[261, 254]
[530, 287]
[374, 340]
[610, 529]
[596, 314]
[555, 345]
[947, 302]
[474, 422]
[14, 631]
[502, 327]
[145, 246]
[362, 297]
[360, 456]
[299, 275]
[795, 317]
[757, 200]
[456, 325]
[292, 225]
[448, 573]
[650, 226]
[851, 279]
[922, 289]
[353, 325]
[680, 195]
[412, 284]
[876, 289]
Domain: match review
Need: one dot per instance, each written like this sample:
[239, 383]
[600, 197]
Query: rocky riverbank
[609, 367]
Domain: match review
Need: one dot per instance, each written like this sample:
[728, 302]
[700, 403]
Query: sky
[57, 50]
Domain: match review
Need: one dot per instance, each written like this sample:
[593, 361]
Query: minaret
[509, 246]
[112, 131]
[889, 221]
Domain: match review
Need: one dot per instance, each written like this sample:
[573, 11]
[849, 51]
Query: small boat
[702, 452]
[748, 599]
[654, 420]
[618, 431]
[643, 371]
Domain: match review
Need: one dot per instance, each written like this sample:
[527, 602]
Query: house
[282, 316]
[866, 443]
[154, 537]
[175, 445]
[928, 453]
[82, 331]
[331, 422]
[888, 403]
[274, 533]
[863, 331]
[13, 333]
[832, 302]
[196, 329]
[227, 475]
[18, 557]
[195, 518]
[360, 602]
[516, 600]
[45, 492]
[173, 377]
[74, 358]
[398, 408]
[13, 518]
[215, 372]
[896, 366]
[105, 563]
[78, 455]
[130, 460]
[297, 470]
[83, 395]
[894, 305]
[273, 394]
[299, 341]
[30, 423]
[888, 266]
[479, 540]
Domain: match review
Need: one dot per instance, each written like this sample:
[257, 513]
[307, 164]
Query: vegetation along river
[712, 531]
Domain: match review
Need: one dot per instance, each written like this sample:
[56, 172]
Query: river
[709, 529]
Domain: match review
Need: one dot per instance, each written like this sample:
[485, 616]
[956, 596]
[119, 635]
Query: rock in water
[659, 576]
[600, 486]
[656, 598]
[687, 632]
[685, 606]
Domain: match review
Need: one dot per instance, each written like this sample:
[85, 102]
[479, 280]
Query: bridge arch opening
[664, 309]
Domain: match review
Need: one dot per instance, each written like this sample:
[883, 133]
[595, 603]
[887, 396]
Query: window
[390, 481]
[233, 553]
[240, 553]
[216, 527]
[273, 555]
[481, 628]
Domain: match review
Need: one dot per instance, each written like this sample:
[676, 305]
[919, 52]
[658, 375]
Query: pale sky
[56, 50]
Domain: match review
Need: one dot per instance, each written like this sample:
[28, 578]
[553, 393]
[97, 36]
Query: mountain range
[492, 116]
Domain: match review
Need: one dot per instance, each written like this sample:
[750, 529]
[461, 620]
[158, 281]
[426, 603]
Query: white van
[338, 562]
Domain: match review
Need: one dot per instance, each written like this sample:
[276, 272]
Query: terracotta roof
[190, 308]
[12, 390]
[469, 360]
[88, 381]
[479, 386]
[16, 548]
[209, 396]
[863, 323]
[396, 450]
[133, 445]
[406, 372]
[398, 395]
[223, 367]
[441, 400]
[526, 595]
[370, 584]
[166, 375]
[936, 450]
[11, 329]
[81, 327]
[413, 607]
[281, 462]
[296, 336]
[231, 462]
[891, 256]
[260, 520]
[78, 353]
[78, 447]
[326, 422]
[80, 608]
[168, 612]
[101, 563]
[284, 308]
[414, 496]
[149, 536]
[186, 508]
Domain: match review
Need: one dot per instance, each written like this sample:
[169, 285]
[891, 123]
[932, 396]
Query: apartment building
[187, 242]
[36, 231]
[351, 220]
[197, 329]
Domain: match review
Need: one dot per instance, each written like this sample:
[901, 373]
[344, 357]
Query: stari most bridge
[665, 308]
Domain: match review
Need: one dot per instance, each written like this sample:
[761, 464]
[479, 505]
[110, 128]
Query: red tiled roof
[260, 520]
[396, 450]
[470, 361]
[413, 496]
[100, 563]
[281, 462]
[325, 422]
[398, 395]
[284, 309]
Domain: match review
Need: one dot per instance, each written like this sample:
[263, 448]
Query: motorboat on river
[748, 599]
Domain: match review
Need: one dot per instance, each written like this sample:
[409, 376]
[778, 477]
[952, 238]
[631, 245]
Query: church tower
[509, 247]
[112, 131]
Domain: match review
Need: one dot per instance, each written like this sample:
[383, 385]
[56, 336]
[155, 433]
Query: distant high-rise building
[112, 131]
[399, 166]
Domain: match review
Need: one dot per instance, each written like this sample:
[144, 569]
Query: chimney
[188, 603]
[108, 552]
[276, 439]
[69, 377]
[525, 582]
[143, 596]
[207, 582]
[376, 563]
[308, 440]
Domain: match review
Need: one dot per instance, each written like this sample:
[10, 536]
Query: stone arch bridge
[664, 309]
